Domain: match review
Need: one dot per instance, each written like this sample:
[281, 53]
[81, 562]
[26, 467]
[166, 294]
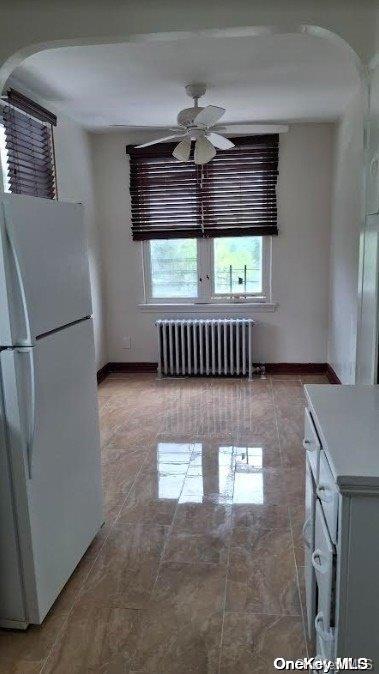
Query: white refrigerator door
[51, 408]
[44, 271]
[12, 607]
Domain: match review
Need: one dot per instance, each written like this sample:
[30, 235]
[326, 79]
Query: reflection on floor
[198, 568]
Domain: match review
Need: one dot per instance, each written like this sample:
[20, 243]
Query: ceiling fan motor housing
[186, 117]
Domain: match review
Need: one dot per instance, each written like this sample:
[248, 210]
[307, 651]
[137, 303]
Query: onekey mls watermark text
[319, 665]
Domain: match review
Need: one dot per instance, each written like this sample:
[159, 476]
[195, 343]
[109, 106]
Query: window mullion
[203, 270]
[205, 290]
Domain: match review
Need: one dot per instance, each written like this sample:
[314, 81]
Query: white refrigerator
[50, 479]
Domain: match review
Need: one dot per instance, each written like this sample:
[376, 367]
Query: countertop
[347, 420]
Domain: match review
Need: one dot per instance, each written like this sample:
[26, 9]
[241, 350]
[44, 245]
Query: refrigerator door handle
[28, 338]
[32, 409]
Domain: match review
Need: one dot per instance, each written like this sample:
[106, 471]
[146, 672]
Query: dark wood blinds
[29, 144]
[232, 195]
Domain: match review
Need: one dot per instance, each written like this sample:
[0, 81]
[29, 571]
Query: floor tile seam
[105, 446]
[224, 607]
[263, 613]
[277, 432]
[298, 584]
[226, 581]
[274, 615]
[291, 529]
[170, 528]
[153, 441]
[199, 562]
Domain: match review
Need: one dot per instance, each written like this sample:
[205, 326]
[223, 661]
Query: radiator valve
[259, 369]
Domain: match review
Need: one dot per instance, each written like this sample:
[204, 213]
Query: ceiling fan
[196, 124]
[199, 124]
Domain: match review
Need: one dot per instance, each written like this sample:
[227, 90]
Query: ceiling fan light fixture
[204, 151]
[183, 150]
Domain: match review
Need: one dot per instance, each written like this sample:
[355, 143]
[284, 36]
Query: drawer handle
[317, 561]
[305, 531]
[325, 492]
[326, 635]
[308, 445]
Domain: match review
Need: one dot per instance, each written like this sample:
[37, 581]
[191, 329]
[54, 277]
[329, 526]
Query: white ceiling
[265, 78]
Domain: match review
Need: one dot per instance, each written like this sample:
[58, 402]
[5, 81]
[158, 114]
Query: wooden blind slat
[232, 195]
[19, 100]
[29, 147]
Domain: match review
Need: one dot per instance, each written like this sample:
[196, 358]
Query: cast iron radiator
[209, 347]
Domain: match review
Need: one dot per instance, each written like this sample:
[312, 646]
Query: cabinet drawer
[311, 443]
[309, 544]
[328, 494]
[323, 564]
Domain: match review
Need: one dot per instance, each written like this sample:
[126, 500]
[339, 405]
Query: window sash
[205, 271]
[148, 280]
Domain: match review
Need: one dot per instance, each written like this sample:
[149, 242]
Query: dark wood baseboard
[296, 368]
[132, 367]
[102, 373]
[332, 376]
[271, 368]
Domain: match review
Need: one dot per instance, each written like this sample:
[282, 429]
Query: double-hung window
[206, 230]
[207, 270]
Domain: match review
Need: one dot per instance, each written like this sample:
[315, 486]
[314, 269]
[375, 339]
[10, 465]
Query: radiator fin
[202, 347]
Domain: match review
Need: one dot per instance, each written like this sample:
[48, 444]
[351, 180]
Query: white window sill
[210, 308]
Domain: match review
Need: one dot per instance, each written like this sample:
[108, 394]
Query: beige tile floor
[198, 567]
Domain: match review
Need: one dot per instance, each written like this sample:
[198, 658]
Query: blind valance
[232, 195]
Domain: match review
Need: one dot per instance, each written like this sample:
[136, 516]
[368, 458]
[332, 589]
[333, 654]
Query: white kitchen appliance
[50, 480]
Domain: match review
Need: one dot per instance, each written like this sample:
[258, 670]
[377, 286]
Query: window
[27, 149]
[206, 229]
[207, 270]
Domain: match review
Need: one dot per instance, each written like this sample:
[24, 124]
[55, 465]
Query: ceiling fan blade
[204, 150]
[159, 140]
[145, 127]
[183, 150]
[254, 128]
[219, 141]
[209, 115]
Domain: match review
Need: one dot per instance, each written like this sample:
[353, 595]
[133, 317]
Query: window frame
[205, 278]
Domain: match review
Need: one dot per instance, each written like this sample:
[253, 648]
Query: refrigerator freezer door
[59, 492]
[44, 272]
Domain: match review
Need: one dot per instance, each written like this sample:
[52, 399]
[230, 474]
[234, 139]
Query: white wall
[347, 212]
[367, 334]
[297, 331]
[75, 183]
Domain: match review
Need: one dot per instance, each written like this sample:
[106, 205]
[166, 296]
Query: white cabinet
[309, 544]
[327, 493]
[341, 529]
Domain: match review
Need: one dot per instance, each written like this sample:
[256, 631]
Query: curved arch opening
[150, 71]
